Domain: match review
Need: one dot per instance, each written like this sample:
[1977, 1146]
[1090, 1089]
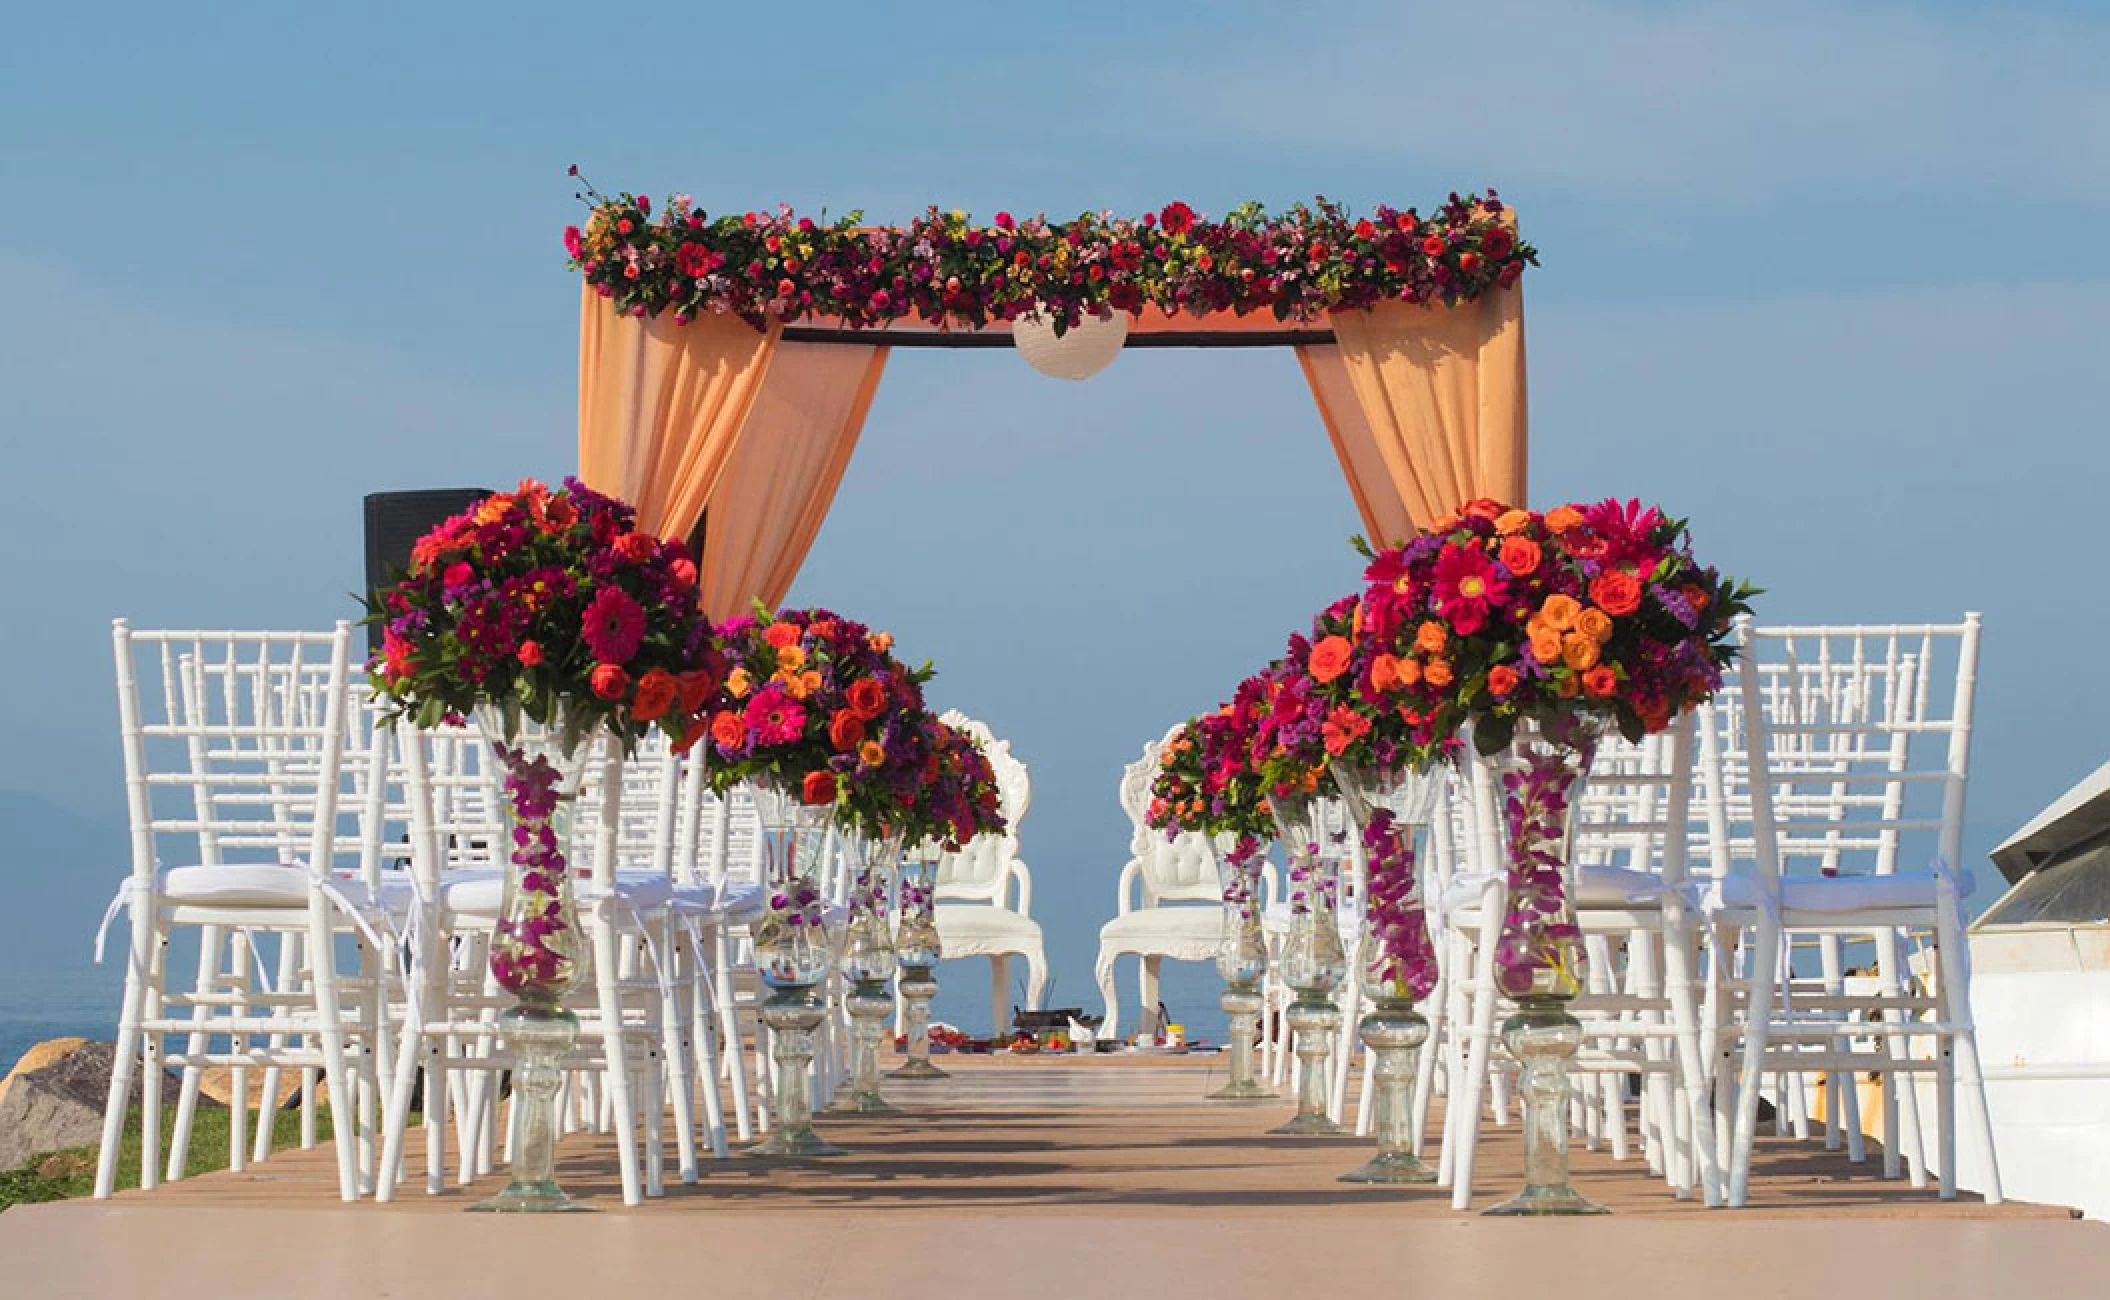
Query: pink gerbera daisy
[775, 717]
[1467, 583]
[614, 624]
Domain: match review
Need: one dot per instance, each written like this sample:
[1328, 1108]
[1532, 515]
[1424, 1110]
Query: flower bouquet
[554, 620]
[1542, 632]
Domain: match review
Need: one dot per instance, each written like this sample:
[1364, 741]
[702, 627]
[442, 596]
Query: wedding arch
[726, 364]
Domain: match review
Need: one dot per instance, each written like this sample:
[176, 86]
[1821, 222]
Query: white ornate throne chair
[1178, 913]
[975, 912]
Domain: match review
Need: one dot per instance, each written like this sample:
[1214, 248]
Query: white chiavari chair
[232, 767]
[1855, 791]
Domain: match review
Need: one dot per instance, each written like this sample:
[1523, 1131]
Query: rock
[216, 1085]
[53, 1099]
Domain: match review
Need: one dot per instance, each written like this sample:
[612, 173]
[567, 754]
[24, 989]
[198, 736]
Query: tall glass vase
[916, 947]
[1241, 961]
[1314, 964]
[538, 952]
[1397, 957]
[868, 963]
[794, 953]
[1539, 961]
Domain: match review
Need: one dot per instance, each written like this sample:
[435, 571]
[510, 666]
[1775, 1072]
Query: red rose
[1498, 242]
[1600, 681]
[530, 653]
[1365, 229]
[819, 788]
[867, 698]
[683, 571]
[1433, 246]
[655, 693]
[637, 547]
[695, 731]
[610, 682]
[696, 687]
[1501, 680]
[458, 574]
[1617, 592]
[845, 729]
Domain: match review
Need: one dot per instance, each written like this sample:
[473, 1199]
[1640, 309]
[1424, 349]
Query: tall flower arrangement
[816, 704]
[544, 603]
[952, 272]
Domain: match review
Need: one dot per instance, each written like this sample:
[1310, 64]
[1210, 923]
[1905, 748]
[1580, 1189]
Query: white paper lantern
[1084, 350]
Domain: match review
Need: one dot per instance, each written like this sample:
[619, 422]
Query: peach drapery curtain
[1425, 406]
[661, 407]
[790, 459]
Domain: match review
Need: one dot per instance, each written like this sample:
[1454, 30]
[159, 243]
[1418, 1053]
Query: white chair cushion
[1828, 895]
[1596, 886]
[239, 884]
[966, 930]
[1153, 929]
[736, 901]
[480, 891]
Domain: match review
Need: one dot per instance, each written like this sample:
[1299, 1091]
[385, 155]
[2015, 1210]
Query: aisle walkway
[1027, 1178]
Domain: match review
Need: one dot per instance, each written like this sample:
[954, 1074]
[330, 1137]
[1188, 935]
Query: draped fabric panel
[1440, 395]
[661, 406]
[788, 462]
[1386, 519]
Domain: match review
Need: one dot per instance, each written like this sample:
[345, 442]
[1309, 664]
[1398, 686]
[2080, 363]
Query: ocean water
[79, 1002]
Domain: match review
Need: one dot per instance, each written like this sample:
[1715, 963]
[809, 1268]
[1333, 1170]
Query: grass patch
[64, 1174]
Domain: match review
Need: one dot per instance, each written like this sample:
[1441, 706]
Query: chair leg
[615, 1068]
[322, 962]
[1900, 1095]
[287, 973]
[130, 1046]
[1103, 972]
[1148, 980]
[1766, 968]
[1479, 1060]
[1036, 978]
[1953, 1007]
[210, 937]
[999, 994]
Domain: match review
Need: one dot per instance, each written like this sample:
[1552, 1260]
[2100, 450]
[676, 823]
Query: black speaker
[394, 523]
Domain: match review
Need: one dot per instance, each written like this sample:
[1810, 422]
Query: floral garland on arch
[953, 273]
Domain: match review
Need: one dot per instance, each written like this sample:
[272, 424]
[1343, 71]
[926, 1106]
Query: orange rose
[1384, 673]
[1501, 680]
[881, 642]
[1546, 646]
[1410, 672]
[780, 635]
[656, 691]
[1578, 651]
[845, 730]
[738, 683]
[1560, 612]
[871, 753]
[819, 788]
[1618, 591]
[609, 681]
[1484, 508]
[1330, 658]
[1568, 687]
[791, 658]
[1430, 638]
[1600, 681]
[1519, 555]
[1446, 523]
[1438, 673]
[1355, 623]
[1595, 624]
[1512, 522]
[728, 729]
[1562, 518]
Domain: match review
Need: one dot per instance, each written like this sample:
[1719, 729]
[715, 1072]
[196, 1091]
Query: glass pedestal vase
[1543, 1037]
[1539, 960]
[1390, 811]
[868, 964]
[538, 952]
[1314, 963]
[1241, 961]
[1394, 1032]
[793, 953]
[917, 948]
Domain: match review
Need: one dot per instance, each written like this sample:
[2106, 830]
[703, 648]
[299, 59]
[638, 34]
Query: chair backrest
[233, 744]
[1843, 761]
[1174, 869]
[981, 870]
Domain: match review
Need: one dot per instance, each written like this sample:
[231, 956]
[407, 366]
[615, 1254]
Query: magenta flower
[613, 626]
[775, 717]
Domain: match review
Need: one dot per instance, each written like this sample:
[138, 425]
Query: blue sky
[1824, 278]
